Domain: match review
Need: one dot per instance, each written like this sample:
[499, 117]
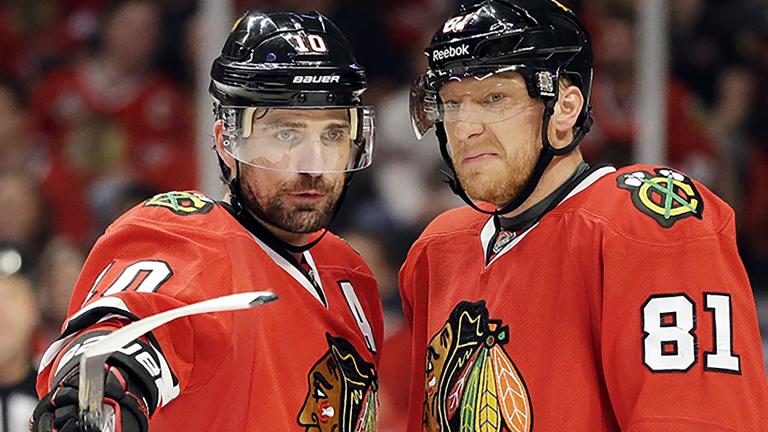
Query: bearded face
[293, 202]
[292, 162]
[497, 177]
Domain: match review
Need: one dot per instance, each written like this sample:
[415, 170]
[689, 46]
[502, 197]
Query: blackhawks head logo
[342, 393]
[471, 383]
[666, 195]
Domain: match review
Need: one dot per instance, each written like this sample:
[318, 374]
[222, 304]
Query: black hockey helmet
[289, 61]
[273, 69]
[542, 40]
[286, 59]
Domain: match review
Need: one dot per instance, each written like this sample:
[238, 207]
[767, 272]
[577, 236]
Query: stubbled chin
[494, 189]
[319, 207]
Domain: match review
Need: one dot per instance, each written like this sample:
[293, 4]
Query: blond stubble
[498, 181]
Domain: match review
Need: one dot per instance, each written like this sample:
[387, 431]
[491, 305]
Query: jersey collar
[499, 235]
[310, 280]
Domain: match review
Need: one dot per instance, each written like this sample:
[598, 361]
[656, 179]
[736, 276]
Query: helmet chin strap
[547, 153]
[253, 224]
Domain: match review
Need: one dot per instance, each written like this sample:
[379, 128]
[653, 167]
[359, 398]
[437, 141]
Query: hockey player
[570, 297]
[289, 133]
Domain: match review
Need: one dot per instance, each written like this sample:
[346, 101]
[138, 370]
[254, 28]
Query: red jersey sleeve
[680, 344]
[136, 270]
[405, 284]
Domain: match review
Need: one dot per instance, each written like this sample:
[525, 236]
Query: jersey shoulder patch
[188, 212]
[664, 194]
[657, 204]
[184, 203]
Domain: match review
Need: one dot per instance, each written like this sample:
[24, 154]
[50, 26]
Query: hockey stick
[91, 390]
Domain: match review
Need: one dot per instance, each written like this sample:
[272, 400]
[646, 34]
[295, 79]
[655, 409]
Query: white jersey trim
[53, 349]
[294, 272]
[168, 390]
[489, 229]
[509, 246]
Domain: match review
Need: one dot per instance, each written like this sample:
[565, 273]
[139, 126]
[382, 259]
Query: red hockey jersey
[306, 361]
[625, 308]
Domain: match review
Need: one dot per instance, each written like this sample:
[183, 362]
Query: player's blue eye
[334, 135]
[285, 135]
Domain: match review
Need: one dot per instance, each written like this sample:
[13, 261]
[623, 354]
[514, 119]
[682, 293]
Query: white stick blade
[91, 389]
[134, 330]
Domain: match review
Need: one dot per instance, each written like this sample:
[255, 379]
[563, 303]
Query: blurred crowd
[97, 114]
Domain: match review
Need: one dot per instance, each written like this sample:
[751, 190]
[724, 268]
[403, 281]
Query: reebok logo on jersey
[502, 240]
[450, 52]
[316, 79]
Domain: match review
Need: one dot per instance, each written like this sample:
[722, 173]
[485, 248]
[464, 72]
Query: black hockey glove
[129, 389]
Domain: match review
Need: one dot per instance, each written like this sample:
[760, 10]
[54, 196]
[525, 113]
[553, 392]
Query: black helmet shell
[286, 59]
[541, 39]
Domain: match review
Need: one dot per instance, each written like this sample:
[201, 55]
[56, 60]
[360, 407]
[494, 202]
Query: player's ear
[218, 137]
[567, 111]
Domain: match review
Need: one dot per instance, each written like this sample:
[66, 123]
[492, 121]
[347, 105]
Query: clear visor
[488, 98]
[306, 140]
